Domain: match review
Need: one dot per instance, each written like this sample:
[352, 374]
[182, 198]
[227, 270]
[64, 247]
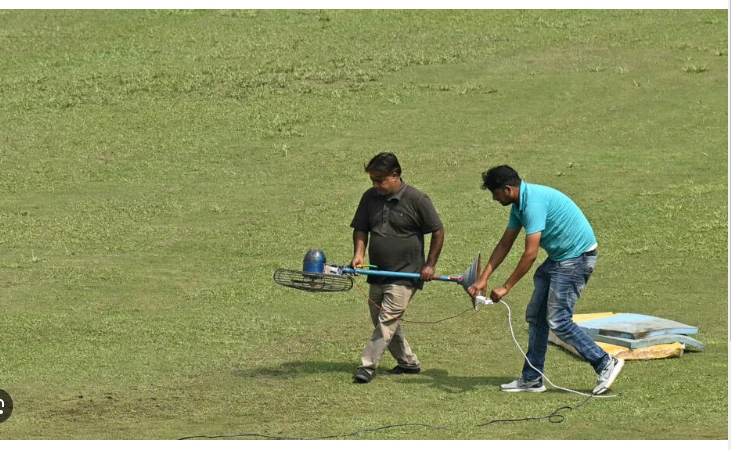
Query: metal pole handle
[386, 273]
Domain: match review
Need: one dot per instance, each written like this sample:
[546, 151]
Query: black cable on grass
[554, 417]
[334, 436]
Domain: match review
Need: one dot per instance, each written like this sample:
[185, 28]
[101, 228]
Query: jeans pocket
[589, 264]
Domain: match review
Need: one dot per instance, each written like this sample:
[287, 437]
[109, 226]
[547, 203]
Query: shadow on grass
[440, 379]
[294, 368]
[437, 378]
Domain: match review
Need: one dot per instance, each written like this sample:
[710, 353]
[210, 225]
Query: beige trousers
[388, 333]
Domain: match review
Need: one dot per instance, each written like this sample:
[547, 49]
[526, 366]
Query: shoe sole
[539, 389]
[617, 369]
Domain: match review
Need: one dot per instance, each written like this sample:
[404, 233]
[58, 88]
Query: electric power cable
[512, 334]
[316, 438]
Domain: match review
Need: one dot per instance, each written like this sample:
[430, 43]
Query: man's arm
[498, 256]
[435, 248]
[360, 241]
[526, 262]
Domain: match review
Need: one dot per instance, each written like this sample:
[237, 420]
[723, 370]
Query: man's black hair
[384, 163]
[499, 177]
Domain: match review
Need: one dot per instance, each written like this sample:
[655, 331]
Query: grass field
[156, 168]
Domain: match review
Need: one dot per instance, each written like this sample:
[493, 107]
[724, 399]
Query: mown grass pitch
[157, 167]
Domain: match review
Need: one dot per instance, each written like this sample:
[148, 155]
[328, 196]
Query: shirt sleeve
[361, 221]
[430, 221]
[534, 217]
[514, 219]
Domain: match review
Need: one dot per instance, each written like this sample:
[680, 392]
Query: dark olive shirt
[397, 226]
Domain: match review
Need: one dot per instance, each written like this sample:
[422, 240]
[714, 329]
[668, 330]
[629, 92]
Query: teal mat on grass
[690, 343]
[634, 326]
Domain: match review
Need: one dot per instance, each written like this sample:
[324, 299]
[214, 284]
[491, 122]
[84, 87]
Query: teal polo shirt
[565, 231]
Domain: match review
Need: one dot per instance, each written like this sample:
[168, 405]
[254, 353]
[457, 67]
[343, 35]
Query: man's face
[503, 195]
[385, 184]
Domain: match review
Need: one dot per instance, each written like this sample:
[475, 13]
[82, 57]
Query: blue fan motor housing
[314, 261]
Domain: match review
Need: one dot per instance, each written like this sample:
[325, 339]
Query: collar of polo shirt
[397, 195]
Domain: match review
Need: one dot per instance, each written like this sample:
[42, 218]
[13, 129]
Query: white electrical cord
[486, 301]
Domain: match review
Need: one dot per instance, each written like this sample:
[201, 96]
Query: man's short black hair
[384, 163]
[499, 177]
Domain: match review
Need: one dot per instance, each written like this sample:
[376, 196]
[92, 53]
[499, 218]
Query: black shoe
[362, 376]
[398, 370]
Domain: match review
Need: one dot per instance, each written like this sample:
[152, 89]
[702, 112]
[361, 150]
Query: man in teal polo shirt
[553, 222]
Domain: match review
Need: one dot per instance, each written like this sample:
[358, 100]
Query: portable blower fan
[317, 276]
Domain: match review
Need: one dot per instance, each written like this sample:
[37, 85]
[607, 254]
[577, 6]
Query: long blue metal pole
[386, 273]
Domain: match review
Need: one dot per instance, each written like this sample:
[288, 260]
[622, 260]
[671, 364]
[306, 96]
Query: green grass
[156, 168]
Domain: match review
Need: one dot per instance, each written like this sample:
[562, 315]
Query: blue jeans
[558, 286]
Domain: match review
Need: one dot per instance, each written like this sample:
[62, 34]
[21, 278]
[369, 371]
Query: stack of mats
[635, 336]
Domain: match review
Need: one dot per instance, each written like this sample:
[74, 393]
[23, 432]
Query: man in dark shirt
[396, 216]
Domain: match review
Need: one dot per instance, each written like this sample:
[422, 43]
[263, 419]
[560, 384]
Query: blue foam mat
[689, 342]
[635, 326]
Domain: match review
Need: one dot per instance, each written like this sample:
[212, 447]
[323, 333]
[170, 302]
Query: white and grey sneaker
[521, 385]
[608, 375]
